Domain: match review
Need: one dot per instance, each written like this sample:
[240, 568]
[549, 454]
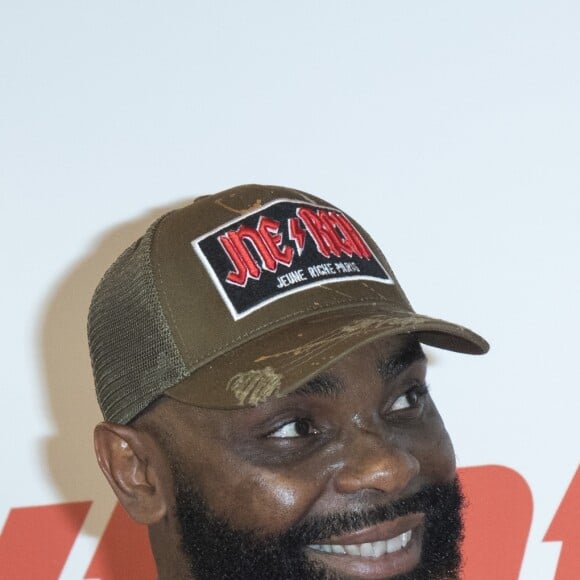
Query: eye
[296, 428]
[412, 399]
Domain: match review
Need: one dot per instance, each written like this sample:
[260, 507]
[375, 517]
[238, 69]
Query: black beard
[216, 551]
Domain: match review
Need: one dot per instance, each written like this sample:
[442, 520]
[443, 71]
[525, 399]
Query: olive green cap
[242, 296]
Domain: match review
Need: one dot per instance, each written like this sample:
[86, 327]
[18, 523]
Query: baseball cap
[242, 296]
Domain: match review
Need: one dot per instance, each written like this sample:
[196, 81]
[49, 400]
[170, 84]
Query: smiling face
[350, 476]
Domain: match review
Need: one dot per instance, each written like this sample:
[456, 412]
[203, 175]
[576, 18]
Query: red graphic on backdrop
[498, 517]
[565, 528]
[123, 551]
[36, 541]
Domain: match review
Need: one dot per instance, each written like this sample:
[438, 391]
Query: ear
[130, 461]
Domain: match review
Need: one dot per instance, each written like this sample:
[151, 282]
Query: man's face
[351, 476]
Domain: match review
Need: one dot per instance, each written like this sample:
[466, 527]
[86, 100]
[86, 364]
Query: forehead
[384, 359]
[389, 356]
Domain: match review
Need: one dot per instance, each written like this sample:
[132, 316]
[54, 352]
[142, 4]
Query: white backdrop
[450, 130]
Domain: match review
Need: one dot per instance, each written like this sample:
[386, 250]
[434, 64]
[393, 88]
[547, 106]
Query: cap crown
[218, 274]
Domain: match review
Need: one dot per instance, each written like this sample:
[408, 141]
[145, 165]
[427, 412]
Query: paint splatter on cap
[242, 296]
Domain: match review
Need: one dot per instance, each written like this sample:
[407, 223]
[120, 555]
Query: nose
[375, 464]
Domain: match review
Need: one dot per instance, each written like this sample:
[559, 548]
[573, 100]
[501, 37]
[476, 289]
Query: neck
[169, 559]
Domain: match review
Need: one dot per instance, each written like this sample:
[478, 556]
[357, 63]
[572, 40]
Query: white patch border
[322, 282]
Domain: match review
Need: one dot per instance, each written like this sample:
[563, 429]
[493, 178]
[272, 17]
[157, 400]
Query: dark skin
[364, 433]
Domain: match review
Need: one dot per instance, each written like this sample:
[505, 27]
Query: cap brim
[283, 359]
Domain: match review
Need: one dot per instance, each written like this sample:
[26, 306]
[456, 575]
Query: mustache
[431, 499]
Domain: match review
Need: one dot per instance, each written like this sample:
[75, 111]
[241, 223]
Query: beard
[217, 551]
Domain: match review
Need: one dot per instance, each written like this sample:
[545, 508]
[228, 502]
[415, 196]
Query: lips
[381, 551]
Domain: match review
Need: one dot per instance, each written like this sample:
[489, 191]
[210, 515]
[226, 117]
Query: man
[260, 373]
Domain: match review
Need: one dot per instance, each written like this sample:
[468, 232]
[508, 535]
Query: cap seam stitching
[160, 286]
[241, 337]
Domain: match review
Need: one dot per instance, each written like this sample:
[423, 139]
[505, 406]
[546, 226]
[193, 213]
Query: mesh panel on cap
[133, 354]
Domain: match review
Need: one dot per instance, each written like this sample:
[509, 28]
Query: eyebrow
[394, 366]
[324, 384]
[327, 385]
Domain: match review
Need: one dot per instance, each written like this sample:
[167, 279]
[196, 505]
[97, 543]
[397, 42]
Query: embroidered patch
[282, 248]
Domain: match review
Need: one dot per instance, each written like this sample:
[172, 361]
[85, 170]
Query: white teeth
[380, 548]
[395, 544]
[368, 549]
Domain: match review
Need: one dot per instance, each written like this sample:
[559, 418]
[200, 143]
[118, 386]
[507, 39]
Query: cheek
[254, 498]
[435, 452]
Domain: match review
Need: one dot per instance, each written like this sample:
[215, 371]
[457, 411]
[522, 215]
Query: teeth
[395, 544]
[368, 549]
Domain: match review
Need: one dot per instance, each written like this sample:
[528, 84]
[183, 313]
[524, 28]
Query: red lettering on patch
[245, 265]
[266, 242]
[252, 250]
[359, 246]
[297, 234]
[251, 259]
[269, 229]
[333, 234]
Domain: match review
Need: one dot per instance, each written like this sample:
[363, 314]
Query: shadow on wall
[69, 454]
